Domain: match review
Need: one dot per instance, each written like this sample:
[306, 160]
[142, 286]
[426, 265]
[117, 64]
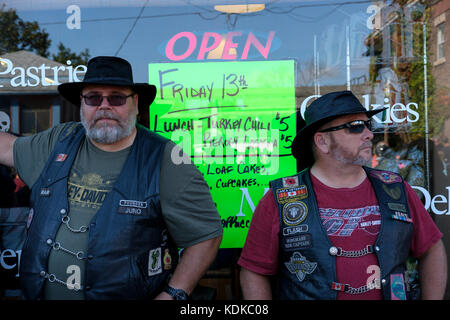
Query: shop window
[243, 75]
[34, 120]
[440, 41]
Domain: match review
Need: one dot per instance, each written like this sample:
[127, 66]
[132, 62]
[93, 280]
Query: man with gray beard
[104, 134]
[339, 229]
[110, 209]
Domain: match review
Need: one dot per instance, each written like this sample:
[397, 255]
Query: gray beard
[356, 161]
[343, 157]
[106, 134]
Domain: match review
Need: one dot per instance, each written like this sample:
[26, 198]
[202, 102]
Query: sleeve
[425, 233]
[187, 206]
[260, 252]
[31, 153]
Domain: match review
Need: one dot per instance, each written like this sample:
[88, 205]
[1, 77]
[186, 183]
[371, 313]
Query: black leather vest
[307, 267]
[128, 238]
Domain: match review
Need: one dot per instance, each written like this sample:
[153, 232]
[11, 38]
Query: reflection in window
[440, 41]
[34, 120]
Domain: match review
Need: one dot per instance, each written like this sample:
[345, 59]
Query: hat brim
[300, 147]
[146, 92]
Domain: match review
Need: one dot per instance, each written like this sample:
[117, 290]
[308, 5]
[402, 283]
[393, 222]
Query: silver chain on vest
[52, 278]
[57, 246]
[65, 219]
[336, 251]
[362, 289]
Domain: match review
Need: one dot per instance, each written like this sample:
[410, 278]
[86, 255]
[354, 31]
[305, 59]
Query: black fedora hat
[321, 111]
[105, 70]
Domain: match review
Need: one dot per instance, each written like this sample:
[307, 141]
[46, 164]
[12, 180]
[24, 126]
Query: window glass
[234, 80]
[440, 40]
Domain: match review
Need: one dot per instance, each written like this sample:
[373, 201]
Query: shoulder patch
[386, 176]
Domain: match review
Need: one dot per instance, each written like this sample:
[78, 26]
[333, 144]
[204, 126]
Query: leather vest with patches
[128, 238]
[307, 266]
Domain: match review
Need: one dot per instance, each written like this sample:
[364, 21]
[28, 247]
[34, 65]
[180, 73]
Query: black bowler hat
[321, 111]
[109, 71]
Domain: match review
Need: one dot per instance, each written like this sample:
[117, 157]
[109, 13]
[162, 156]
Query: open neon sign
[223, 46]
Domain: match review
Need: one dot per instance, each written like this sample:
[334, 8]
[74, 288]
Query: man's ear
[322, 142]
[136, 101]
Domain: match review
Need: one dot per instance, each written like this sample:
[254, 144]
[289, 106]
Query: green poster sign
[236, 120]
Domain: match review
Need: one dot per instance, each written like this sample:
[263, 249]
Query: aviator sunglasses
[114, 100]
[356, 126]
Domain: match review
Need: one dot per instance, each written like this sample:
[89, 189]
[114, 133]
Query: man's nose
[104, 103]
[367, 134]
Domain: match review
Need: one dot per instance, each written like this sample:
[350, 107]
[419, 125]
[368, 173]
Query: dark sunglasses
[114, 100]
[356, 126]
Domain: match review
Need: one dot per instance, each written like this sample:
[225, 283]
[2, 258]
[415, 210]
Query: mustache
[367, 144]
[104, 114]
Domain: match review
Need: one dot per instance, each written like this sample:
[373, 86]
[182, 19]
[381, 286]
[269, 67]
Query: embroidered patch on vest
[154, 262]
[61, 157]
[290, 181]
[289, 231]
[294, 213]
[386, 176]
[133, 203]
[300, 266]
[167, 260]
[397, 287]
[132, 207]
[397, 206]
[401, 216]
[45, 192]
[395, 192]
[291, 194]
[297, 242]
[30, 218]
